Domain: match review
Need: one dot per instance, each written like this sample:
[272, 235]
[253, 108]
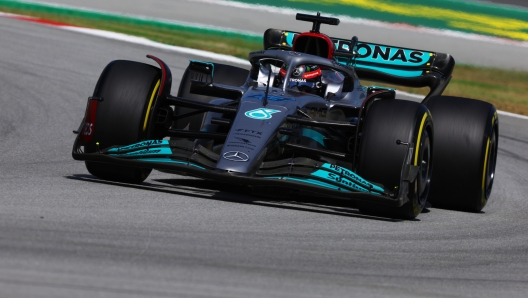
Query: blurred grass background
[506, 89]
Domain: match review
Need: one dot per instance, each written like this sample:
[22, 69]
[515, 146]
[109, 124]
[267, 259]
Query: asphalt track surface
[464, 50]
[64, 233]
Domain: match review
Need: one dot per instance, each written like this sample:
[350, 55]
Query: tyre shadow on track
[212, 190]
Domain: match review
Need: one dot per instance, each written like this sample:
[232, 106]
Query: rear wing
[382, 63]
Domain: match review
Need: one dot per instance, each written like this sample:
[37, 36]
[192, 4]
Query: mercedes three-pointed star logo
[236, 156]
[297, 71]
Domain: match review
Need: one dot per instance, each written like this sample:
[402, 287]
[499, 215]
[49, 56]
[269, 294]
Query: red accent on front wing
[163, 73]
[87, 130]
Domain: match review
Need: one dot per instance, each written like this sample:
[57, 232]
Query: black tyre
[382, 159]
[223, 74]
[128, 90]
[466, 142]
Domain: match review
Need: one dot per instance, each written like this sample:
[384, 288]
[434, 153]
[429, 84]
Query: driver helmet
[305, 78]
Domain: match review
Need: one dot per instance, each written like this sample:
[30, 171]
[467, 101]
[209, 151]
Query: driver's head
[305, 78]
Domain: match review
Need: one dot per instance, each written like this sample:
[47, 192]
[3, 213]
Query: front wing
[323, 179]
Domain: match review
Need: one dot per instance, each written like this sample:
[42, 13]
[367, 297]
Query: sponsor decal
[261, 113]
[249, 131]
[377, 53]
[236, 156]
[311, 74]
[138, 145]
[88, 129]
[370, 52]
[145, 151]
[294, 53]
[298, 80]
[339, 179]
[345, 177]
[271, 98]
[345, 172]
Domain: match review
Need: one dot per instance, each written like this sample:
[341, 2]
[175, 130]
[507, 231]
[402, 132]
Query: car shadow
[214, 190]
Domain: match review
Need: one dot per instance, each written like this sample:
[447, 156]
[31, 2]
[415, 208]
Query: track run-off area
[64, 233]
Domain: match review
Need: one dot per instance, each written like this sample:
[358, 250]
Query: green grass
[507, 90]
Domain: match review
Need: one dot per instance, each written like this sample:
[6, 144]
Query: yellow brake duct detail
[484, 171]
[419, 139]
[152, 96]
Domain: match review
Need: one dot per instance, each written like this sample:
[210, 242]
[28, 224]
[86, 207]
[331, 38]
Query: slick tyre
[223, 74]
[466, 142]
[382, 158]
[127, 90]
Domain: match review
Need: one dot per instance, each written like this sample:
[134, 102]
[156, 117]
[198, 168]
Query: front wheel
[391, 127]
[128, 91]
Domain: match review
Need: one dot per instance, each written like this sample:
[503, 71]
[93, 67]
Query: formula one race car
[299, 120]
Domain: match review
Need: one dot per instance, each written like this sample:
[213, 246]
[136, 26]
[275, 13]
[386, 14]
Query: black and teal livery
[325, 175]
[257, 127]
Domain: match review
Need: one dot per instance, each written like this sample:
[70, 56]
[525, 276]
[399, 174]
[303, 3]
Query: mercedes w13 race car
[299, 120]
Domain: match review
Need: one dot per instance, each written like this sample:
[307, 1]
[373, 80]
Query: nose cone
[254, 127]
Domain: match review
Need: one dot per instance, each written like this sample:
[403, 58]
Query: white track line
[421, 97]
[144, 18]
[138, 40]
[183, 50]
[512, 115]
[158, 45]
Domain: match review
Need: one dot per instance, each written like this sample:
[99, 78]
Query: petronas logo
[261, 114]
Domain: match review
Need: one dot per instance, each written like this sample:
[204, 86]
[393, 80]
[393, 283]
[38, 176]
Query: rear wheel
[223, 74]
[382, 158]
[466, 143]
[128, 90]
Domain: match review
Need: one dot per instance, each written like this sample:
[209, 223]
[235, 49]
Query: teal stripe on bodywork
[394, 72]
[208, 63]
[355, 178]
[338, 178]
[146, 152]
[289, 39]
[168, 160]
[139, 146]
[309, 181]
[314, 135]
[346, 183]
